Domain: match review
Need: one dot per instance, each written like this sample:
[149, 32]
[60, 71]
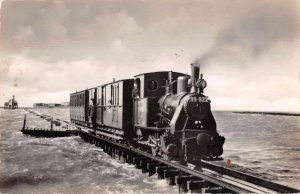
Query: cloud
[52, 47]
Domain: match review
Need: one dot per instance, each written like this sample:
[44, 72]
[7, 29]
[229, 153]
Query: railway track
[204, 177]
[207, 178]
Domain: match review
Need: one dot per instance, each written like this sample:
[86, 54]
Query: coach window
[104, 95]
[115, 87]
[99, 96]
[108, 95]
[115, 94]
[118, 97]
[152, 85]
[111, 94]
[83, 102]
[136, 88]
[79, 101]
[82, 99]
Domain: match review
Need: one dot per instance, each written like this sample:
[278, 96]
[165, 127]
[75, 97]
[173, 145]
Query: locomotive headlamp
[201, 83]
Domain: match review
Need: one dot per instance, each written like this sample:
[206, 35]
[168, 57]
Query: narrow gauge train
[165, 113]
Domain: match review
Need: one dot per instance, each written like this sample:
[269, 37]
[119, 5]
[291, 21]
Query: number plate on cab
[199, 99]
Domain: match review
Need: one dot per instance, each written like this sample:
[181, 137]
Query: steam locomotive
[165, 113]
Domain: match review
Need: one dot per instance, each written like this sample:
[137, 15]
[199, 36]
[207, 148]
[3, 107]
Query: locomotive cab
[149, 87]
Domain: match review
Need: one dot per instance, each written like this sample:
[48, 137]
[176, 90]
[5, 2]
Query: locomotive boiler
[186, 111]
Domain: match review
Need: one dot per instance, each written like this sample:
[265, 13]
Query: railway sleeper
[105, 149]
[216, 189]
[113, 152]
[109, 150]
[160, 171]
[99, 144]
[129, 158]
[170, 174]
[123, 156]
[151, 167]
[198, 185]
[120, 155]
[137, 160]
[116, 153]
[143, 165]
[181, 181]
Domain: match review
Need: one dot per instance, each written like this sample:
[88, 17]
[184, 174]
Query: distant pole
[24, 123]
[51, 124]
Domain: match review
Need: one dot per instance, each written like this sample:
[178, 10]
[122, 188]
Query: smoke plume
[253, 33]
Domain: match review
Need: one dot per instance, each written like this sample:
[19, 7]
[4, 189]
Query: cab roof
[160, 72]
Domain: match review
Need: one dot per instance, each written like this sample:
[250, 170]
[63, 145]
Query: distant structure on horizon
[11, 104]
[51, 105]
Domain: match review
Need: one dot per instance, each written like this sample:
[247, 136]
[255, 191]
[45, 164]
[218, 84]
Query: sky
[248, 51]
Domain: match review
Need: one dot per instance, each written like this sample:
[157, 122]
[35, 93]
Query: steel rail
[249, 178]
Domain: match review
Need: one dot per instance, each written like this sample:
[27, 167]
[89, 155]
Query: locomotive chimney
[195, 68]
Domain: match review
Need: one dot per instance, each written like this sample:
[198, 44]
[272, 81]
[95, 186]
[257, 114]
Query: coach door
[99, 106]
[114, 91]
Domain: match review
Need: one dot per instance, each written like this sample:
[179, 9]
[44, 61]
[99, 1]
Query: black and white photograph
[148, 96]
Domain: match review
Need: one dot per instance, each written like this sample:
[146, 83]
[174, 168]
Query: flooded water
[267, 146]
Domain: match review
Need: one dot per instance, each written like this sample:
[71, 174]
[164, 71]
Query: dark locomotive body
[159, 112]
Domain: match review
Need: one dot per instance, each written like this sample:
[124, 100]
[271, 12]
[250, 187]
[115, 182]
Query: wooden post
[51, 128]
[24, 123]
